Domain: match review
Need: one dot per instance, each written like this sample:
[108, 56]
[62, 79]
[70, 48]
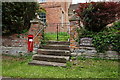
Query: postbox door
[30, 43]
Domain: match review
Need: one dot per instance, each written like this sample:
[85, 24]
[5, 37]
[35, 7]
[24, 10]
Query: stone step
[58, 42]
[45, 63]
[51, 58]
[88, 48]
[55, 46]
[54, 52]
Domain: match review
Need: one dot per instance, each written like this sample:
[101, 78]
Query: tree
[16, 16]
[96, 15]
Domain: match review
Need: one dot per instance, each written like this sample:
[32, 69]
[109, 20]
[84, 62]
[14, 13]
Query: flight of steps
[54, 53]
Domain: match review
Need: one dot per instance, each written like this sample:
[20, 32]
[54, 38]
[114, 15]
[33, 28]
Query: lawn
[62, 36]
[18, 67]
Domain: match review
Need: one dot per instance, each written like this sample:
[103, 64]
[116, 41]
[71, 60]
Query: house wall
[56, 12]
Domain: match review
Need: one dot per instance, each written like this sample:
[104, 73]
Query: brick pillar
[73, 36]
[36, 26]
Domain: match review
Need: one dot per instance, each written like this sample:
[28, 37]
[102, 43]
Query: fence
[57, 31]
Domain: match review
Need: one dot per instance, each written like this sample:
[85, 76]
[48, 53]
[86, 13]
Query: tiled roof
[73, 7]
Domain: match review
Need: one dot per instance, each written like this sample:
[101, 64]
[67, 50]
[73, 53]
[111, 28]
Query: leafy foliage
[107, 39]
[96, 15]
[16, 16]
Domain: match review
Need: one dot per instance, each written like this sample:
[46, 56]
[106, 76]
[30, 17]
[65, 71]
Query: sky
[83, 1]
[75, 1]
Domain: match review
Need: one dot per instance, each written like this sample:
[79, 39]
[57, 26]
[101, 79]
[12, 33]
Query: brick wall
[17, 43]
[54, 11]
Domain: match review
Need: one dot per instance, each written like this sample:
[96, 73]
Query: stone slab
[55, 46]
[51, 58]
[45, 63]
[54, 52]
[58, 42]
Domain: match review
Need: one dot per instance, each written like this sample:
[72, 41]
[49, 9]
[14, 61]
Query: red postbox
[30, 43]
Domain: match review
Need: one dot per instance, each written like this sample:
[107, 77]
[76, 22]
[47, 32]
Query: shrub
[16, 16]
[107, 39]
[96, 15]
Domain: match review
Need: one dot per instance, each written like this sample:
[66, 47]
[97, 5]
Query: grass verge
[17, 67]
[62, 36]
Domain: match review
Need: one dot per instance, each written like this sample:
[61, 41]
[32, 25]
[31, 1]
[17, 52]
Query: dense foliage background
[16, 16]
[107, 39]
[96, 15]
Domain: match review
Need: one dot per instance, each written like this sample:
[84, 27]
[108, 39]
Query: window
[42, 17]
[41, 1]
[62, 18]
